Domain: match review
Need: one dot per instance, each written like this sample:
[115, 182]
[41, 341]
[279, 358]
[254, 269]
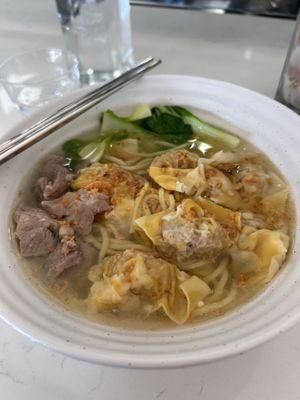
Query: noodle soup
[161, 219]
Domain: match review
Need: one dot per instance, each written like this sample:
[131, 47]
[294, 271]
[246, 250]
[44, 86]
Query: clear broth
[72, 297]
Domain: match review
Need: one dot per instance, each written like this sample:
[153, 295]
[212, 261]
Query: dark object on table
[271, 8]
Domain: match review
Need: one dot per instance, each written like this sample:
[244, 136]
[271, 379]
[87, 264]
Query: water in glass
[98, 33]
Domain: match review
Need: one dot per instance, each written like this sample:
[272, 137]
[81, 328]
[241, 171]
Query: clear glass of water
[98, 32]
[34, 78]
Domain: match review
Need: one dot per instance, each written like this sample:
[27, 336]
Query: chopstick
[45, 121]
[77, 103]
[62, 116]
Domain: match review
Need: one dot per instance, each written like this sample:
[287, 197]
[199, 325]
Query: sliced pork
[55, 178]
[78, 208]
[36, 231]
[68, 254]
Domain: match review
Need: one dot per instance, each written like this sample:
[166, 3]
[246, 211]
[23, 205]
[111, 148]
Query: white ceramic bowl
[273, 128]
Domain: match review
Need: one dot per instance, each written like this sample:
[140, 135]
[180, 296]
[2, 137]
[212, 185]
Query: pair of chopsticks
[62, 116]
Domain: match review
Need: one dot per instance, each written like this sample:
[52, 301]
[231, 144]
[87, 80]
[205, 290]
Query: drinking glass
[34, 78]
[98, 32]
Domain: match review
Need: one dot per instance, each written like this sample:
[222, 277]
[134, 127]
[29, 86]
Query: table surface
[248, 51]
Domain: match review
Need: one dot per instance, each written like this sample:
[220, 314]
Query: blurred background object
[276, 8]
[288, 91]
[33, 78]
[98, 32]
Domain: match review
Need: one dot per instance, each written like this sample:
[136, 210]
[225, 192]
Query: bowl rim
[63, 346]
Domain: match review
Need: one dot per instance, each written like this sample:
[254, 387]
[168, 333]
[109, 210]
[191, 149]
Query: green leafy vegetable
[142, 111]
[72, 147]
[172, 124]
[112, 123]
[77, 150]
[92, 150]
[169, 127]
[201, 128]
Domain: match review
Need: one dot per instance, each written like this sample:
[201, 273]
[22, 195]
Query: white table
[245, 50]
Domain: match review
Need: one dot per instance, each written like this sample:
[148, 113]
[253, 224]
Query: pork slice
[36, 231]
[67, 237]
[55, 178]
[68, 254]
[37, 242]
[78, 208]
[60, 259]
[41, 235]
[28, 218]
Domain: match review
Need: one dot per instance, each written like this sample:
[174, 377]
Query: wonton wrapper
[221, 189]
[243, 261]
[275, 202]
[150, 225]
[110, 179]
[197, 180]
[230, 220]
[270, 247]
[223, 158]
[221, 214]
[180, 180]
[118, 221]
[137, 282]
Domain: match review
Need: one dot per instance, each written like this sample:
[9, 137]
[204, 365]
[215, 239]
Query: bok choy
[173, 124]
[200, 128]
